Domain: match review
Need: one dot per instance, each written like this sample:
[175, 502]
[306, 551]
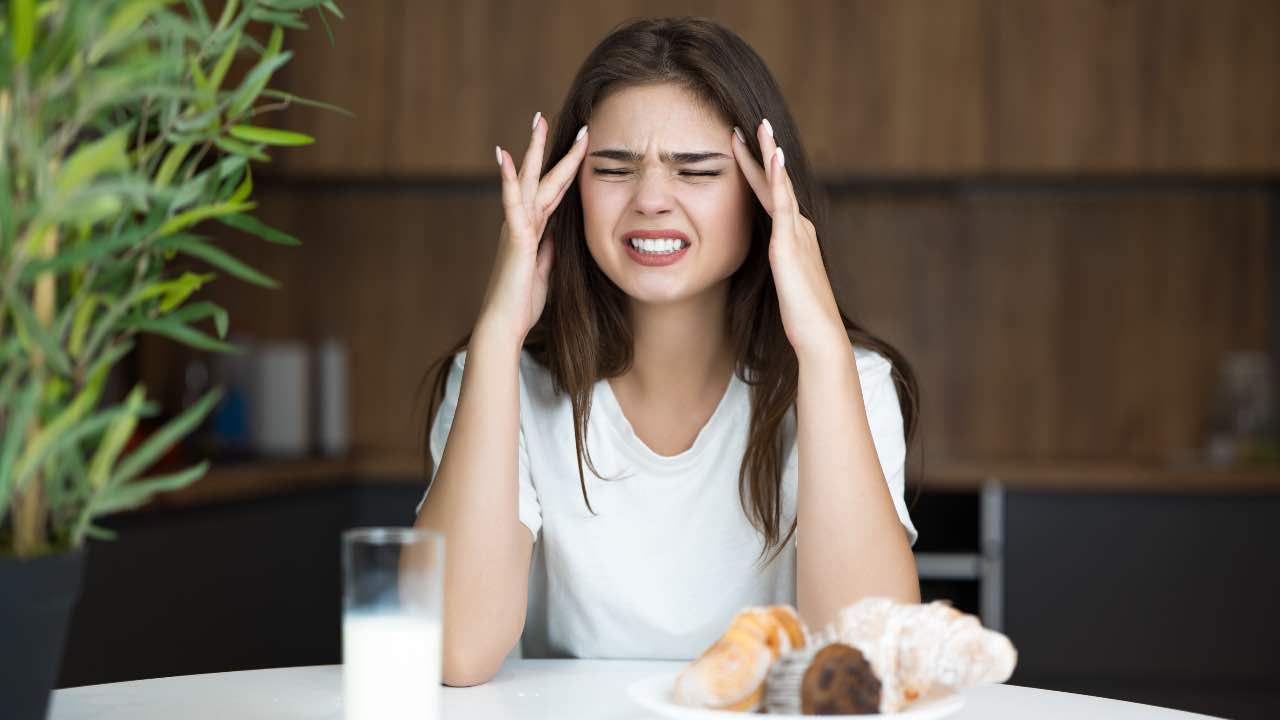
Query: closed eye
[686, 173]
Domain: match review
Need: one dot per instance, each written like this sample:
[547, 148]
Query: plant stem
[30, 514]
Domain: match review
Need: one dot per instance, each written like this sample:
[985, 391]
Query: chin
[655, 290]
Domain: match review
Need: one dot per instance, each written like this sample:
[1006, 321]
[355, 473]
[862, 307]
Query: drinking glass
[392, 595]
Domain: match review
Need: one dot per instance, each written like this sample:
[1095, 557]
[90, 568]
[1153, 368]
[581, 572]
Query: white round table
[553, 689]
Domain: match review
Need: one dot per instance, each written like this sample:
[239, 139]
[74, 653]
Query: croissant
[919, 650]
[730, 674]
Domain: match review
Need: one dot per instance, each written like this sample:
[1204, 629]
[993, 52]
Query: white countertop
[552, 689]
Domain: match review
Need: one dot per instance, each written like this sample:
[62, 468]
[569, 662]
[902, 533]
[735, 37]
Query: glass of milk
[392, 595]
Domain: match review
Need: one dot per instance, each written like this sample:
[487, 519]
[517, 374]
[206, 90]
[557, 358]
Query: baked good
[730, 674]
[832, 679]
[920, 650]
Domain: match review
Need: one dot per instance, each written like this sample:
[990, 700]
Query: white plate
[654, 694]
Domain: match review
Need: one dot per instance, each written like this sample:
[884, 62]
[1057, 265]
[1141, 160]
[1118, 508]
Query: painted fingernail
[767, 127]
[738, 134]
[782, 159]
[582, 131]
[536, 116]
[497, 150]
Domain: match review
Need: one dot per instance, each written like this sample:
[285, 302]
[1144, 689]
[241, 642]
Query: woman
[666, 273]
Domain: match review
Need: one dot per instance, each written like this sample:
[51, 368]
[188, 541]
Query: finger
[512, 202]
[558, 179]
[531, 170]
[764, 133]
[753, 172]
[784, 204]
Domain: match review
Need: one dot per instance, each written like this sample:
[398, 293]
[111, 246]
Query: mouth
[656, 247]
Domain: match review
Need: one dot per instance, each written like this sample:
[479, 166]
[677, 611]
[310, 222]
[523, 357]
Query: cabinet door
[1136, 86]
[1166, 599]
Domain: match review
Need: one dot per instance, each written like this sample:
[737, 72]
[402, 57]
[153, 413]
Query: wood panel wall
[1043, 324]
[878, 87]
[1061, 318]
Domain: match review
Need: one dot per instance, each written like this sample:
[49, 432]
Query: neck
[682, 349]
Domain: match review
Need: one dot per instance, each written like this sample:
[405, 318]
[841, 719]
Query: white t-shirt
[670, 557]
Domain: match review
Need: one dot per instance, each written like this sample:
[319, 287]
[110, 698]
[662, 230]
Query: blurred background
[1066, 213]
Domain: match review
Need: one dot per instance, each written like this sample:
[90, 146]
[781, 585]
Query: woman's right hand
[517, 290]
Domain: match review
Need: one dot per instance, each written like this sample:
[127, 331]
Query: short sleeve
[884, 415]
[530, 511]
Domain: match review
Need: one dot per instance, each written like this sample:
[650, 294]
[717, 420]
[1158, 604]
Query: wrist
[496, 338]
[835, 352]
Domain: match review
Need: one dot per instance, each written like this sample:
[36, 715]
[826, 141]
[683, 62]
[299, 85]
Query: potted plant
[125, 125]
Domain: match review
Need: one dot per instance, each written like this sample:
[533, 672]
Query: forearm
[474, 502]
[854, 545]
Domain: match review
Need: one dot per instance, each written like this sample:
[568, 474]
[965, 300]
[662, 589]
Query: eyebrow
[677, 158]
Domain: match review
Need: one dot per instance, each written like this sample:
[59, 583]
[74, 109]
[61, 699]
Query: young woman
[660, 312]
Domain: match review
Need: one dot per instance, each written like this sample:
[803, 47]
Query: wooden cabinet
[878, 87]
[1135, 86]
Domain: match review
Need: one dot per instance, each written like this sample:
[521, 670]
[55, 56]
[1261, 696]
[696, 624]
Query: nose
[653, 197]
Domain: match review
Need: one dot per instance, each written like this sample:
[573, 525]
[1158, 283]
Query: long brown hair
[583, 334]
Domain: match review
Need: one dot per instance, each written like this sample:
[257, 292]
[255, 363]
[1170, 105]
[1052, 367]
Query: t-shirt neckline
[608, 402]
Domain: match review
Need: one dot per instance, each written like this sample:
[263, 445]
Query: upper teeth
[658, 245]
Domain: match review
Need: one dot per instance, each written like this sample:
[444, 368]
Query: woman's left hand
[810, 315]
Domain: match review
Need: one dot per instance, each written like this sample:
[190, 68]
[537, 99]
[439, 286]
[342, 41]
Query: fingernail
[581, 132]
[536, 116]
[767, 127]
[782, 159]
[497, 150]
[738, 133]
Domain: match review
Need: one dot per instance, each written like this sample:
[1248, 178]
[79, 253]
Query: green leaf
[333, 8]
[97, 533]
[241, 193]
[15, 434]
[172, 161]
[196, 8]
[121, 26]
[146, 454]
[279, 19]
[260, 75]
[22, 18]
[114, 439]
[184, 334]
[31, 327]
[135, 494]
[82, 255]
[64, 429]
[228, 12]
[191, 217]
[92, 160]
[251, 224]
[176, 290]
[201, 310]
[238, 148]
[189, 245]
[206, 91]
[269, 136]
[224, 61]
[80, 325]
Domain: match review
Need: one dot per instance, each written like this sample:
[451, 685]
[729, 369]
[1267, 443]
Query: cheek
[725, 215]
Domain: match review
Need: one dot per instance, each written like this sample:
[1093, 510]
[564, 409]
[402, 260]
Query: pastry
[918, 650]
[730, 674]
[832, 679]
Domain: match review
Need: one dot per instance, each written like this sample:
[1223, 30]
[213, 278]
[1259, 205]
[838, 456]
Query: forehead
[666, 114]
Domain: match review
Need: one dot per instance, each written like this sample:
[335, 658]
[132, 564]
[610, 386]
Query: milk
[390, 667]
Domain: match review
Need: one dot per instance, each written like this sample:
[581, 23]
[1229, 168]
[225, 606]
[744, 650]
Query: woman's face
[659, 162]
